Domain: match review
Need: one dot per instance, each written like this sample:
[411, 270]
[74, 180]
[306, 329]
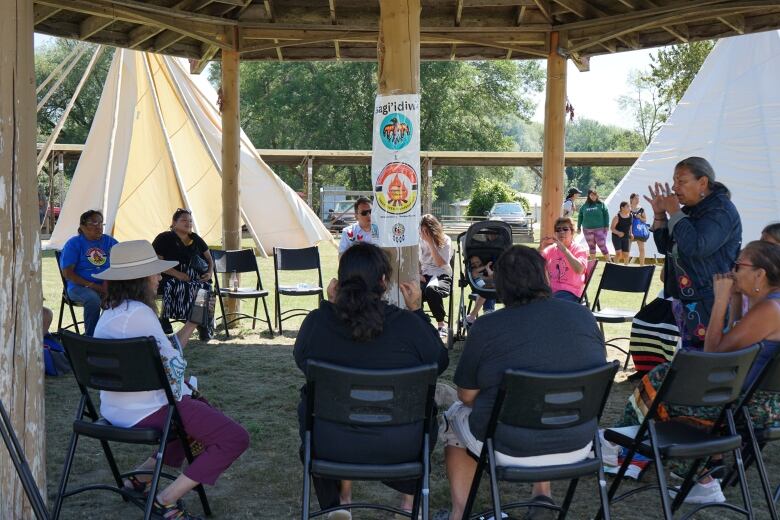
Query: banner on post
[395, 169]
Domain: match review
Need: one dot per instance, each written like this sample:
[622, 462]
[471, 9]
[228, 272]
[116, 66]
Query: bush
[523, 202]
[486, 193]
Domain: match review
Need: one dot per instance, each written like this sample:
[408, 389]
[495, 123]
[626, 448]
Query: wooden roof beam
[581, 8]
[736, 22]
[193, 25]
[546, 10]
[679, 31]
[41, 13]
[92, 25]
[207, 54]
[142, 33]
[458, 12]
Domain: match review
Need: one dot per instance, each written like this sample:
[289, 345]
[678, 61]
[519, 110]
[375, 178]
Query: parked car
[341, 216]
[513, 214]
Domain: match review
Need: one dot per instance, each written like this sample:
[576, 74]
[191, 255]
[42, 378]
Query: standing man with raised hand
[362, 230]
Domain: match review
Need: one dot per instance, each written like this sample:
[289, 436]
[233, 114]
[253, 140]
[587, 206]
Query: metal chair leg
[567, 500]
[306, 476]
[268, 318]
[65, 474]
[760, 467]
[659, 470]
[493, 480]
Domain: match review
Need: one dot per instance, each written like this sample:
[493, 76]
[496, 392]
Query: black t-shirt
[407, 340]
[169, 246]
[550, 335]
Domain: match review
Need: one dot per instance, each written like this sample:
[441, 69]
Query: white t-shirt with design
[354, 234]
[428, 265]
[133, 319]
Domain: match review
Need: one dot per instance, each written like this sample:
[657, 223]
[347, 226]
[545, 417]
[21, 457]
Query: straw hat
[134, 259]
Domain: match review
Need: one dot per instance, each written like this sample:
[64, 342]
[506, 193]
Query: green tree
[322, 105]
[646, 105]
[673, 68]
[486, 193]
[79, 121]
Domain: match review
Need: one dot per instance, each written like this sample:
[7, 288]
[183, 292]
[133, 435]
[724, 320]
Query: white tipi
[155, 146]
[730, 115]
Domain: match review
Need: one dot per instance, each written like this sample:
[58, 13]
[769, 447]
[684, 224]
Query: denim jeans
[90, 299]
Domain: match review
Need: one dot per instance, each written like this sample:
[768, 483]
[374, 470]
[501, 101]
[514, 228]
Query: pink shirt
[562, 276]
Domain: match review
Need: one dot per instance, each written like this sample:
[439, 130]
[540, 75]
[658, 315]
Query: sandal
[136, 487]
[171, 512]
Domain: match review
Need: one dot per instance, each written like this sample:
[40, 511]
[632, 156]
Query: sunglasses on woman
[736, 265]
[365, 212]
[562, 229]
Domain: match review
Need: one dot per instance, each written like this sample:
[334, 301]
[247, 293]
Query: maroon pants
[224, 440]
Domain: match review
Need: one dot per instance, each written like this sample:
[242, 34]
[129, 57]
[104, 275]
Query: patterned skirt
[178, 295]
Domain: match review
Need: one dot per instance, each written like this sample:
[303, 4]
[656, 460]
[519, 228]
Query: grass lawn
[253, 378]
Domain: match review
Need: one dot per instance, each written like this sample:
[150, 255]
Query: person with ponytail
[357, 328]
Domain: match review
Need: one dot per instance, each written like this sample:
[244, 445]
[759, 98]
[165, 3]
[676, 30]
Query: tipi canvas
[730, 115]
[155, 146]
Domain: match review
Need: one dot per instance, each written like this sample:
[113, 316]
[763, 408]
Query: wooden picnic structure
[395, 33]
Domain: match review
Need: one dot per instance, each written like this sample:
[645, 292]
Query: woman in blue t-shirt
[82, 257]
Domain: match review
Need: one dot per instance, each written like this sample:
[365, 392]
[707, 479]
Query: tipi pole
[21, 349]
[76, 48]
[398, 53]
[81, 50]
[554, 128]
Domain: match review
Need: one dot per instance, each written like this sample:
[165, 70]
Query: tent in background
[730, 115]
[155, 146]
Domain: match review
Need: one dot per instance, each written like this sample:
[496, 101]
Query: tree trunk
[21, 349]
[554, 138]
[398, 52]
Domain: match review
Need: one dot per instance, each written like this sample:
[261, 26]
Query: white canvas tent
[155, 145]
[729, 115]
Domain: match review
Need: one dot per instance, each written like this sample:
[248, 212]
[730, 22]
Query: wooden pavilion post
[554, 137]
[231, 156]
[398, 55]
[21, 350]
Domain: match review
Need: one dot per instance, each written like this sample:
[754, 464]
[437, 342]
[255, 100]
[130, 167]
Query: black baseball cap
[573, 191]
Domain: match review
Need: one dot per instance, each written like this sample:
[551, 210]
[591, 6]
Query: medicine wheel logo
[396, 188]
[396, 131]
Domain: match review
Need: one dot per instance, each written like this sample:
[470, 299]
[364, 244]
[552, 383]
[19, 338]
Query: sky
[593, 94]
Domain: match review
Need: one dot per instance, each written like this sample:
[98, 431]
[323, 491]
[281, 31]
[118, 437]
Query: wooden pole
[309, 180]
[428, 186]
[398, 52]
[21, 349]
[554, 137]
[231, 153]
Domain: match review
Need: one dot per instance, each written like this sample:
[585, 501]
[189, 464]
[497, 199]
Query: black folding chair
[590, 270]
[544, 401]
[239, 261]
[694, 379]
[306, 259]
[621, 278]
[755, 439]
[65, 300]
[120, 365]
[19, 461]
[369, 399]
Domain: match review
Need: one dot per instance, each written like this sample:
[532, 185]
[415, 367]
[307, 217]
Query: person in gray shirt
[533, 332]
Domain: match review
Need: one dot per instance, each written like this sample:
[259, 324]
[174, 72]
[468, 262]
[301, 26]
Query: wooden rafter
[544, 8]
[41, 13]
[195, 27]
[92, 25]
[143, 33]
[736, 22]
[334, 21]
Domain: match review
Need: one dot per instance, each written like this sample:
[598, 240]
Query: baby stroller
[485, 240]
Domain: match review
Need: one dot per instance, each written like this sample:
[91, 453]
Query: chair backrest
[545, 401]
[370, 397]
[57, 256]
[769, 379]
[116, 365]
[590, 269]
[296, 259]
[706, 378]
[238, 260]
[623, 278]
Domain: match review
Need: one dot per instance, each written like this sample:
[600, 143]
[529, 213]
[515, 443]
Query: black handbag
[199, 264]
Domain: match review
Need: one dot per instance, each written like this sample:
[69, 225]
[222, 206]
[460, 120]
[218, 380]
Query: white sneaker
[443, 332]
[340, 514]
[703, 494]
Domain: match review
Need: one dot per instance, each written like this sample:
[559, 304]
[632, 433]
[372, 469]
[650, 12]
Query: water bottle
[234, 281]
[199, 312]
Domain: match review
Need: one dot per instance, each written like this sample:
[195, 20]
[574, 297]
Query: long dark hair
[594, 192]
[359, 298]
[521, 276]
[137, 289]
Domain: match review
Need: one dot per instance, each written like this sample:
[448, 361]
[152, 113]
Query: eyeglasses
[736, 265]
[365, 212]
[94, 223]
[562, 229]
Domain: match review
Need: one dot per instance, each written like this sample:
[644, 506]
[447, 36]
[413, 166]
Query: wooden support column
[428, 186]
[398, 53]
[309, 180]
[554, 137]
[21, 363]
[231, 154]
